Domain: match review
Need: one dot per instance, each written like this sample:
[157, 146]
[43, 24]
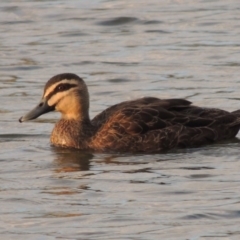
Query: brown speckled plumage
[144, 125]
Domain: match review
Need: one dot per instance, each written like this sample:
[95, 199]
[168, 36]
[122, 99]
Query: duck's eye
[62, 87]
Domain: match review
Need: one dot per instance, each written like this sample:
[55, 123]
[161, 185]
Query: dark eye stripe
[61, 88]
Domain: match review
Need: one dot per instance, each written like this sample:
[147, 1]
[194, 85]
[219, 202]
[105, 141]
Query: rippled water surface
[123, 50]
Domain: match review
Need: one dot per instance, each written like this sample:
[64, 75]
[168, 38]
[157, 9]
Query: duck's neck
[81, 118]
[76, 108]
[72, 132]
[81, 125]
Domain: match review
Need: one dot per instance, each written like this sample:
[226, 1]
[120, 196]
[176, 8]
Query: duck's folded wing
[147, 103]
[162, 124]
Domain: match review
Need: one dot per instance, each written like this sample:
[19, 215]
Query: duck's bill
[39, 110]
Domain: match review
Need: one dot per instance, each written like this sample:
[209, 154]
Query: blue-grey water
[124, 50]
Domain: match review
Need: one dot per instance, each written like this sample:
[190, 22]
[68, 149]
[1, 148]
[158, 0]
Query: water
[123, 50]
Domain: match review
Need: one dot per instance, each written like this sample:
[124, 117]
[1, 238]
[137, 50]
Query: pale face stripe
[57, 97]
[52, 87]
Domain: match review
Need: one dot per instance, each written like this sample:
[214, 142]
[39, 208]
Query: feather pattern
[154, 125]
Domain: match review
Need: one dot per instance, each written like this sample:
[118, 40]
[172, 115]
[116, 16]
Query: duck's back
[153, 125]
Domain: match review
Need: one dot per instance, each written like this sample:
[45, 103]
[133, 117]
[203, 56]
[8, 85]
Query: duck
[144, 125]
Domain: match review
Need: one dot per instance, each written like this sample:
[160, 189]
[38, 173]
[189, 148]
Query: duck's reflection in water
[71, 160]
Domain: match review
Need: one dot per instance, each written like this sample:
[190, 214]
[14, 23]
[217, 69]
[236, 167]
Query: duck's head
[66, 93]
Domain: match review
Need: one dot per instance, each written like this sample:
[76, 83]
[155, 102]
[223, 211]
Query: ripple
[79, 63]
[122, 63]
[196, 176]
[118, 21]
[59, 215]
[118, 80]
[8, 78]
[21, 68]
[150, 22]
[229, 64]
[16, 135]
[16, 22]
[197, 168]
[10, 8]
[142, 170]
[198, 216]
[73, 34]
[157, 31]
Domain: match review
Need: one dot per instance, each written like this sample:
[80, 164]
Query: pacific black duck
[144, 125]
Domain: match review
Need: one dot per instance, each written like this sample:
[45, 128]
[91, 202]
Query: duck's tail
[236, 113]
[236, 124]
